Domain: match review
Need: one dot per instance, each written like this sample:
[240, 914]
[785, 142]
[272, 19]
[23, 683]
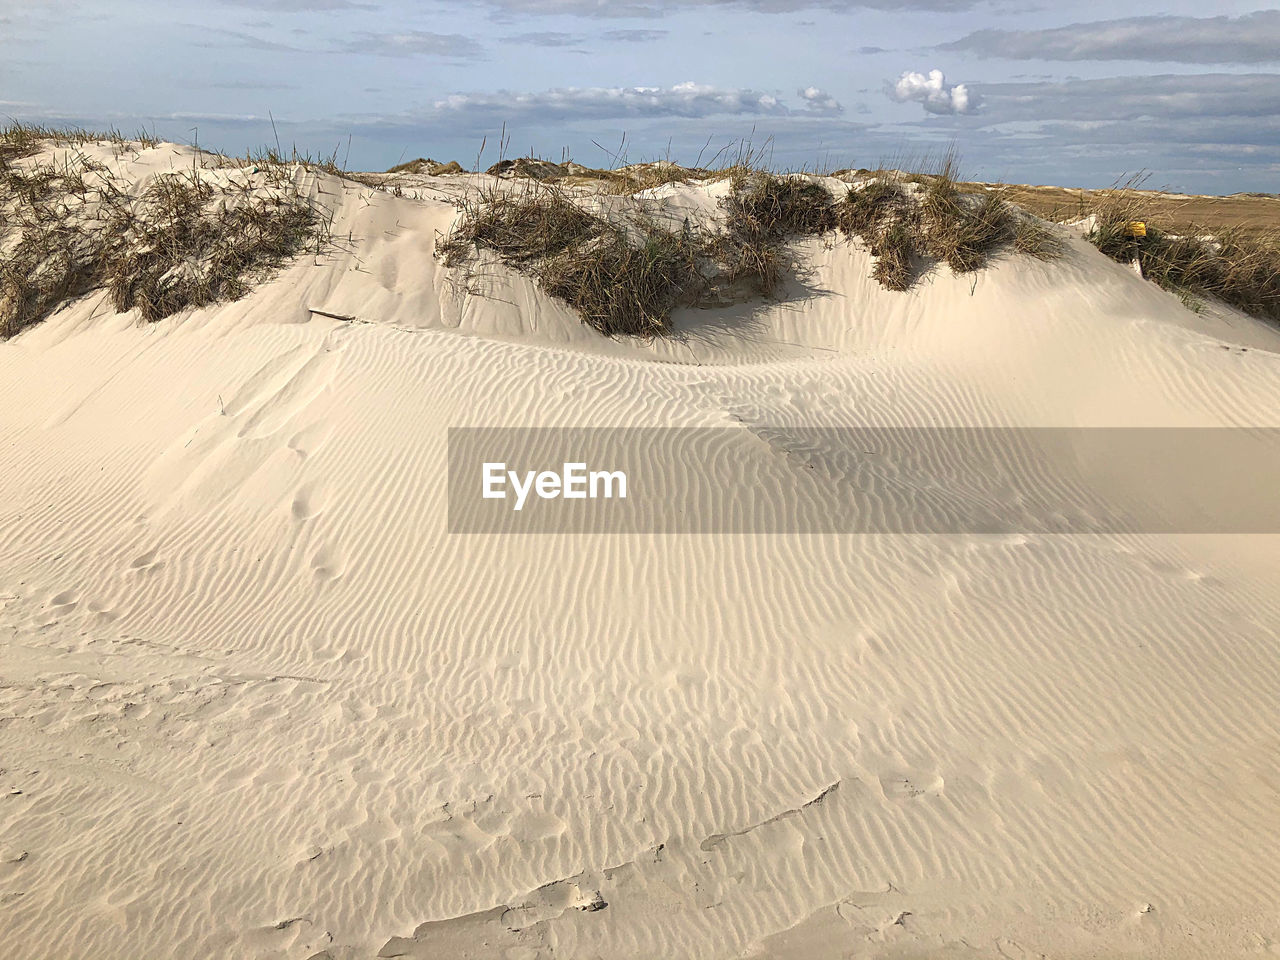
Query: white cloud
[819, 101]
[933, 92]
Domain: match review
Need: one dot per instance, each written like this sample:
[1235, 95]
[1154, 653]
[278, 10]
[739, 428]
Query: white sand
[256, 702]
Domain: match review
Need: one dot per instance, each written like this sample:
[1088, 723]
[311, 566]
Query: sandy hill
[257, 702]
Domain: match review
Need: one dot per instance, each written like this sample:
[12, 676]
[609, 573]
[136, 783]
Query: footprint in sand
[101, 691]
[327, 564]
[58, 606]
[102, 611]
[531, 826]
[310, 854]
[147, 561]
[291, 398]
[309, 439]
[307, 502]
[357, 711]
[902, 786]
[268, 379]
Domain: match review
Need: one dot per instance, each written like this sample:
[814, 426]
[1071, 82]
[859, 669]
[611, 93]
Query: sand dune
[256, 701]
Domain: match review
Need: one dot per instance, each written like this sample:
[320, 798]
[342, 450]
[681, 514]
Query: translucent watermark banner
[785, 479]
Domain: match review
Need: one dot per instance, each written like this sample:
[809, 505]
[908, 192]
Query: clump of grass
[620, 287]
[938, 222]
[49, 248]
[776, 207]
[1033, 239]
[618, 283]
[965, 230]
[529, 168]
[762, 212]
[67, 228]
[881, 214]
[185, 244]
[24, 139]
[643, 176]
[20, 140]
[960, 229]
[866, 208]
[425, 165]
[745, 261]
[894, 249]
[1241, 271]
[44, 269]
[524, 227]
[626, 278]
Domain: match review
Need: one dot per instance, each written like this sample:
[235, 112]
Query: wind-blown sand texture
[256, 702]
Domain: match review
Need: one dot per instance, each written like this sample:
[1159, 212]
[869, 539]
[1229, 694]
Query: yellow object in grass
[1135, 228]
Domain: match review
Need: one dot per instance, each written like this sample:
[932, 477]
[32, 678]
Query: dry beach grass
[626, 276]
[194, 238]
[1236, 267]
[185, 240]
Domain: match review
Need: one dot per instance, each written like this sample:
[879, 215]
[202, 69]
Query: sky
[1074, 92]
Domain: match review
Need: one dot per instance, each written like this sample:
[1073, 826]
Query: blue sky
[1037, 92]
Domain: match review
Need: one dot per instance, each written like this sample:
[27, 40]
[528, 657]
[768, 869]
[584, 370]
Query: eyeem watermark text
[785, 478]
[574, 482]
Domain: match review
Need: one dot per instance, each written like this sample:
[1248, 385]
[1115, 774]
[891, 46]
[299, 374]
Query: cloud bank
[687, 100]
[1253, 38]
[656, 8]
[1173, 100]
